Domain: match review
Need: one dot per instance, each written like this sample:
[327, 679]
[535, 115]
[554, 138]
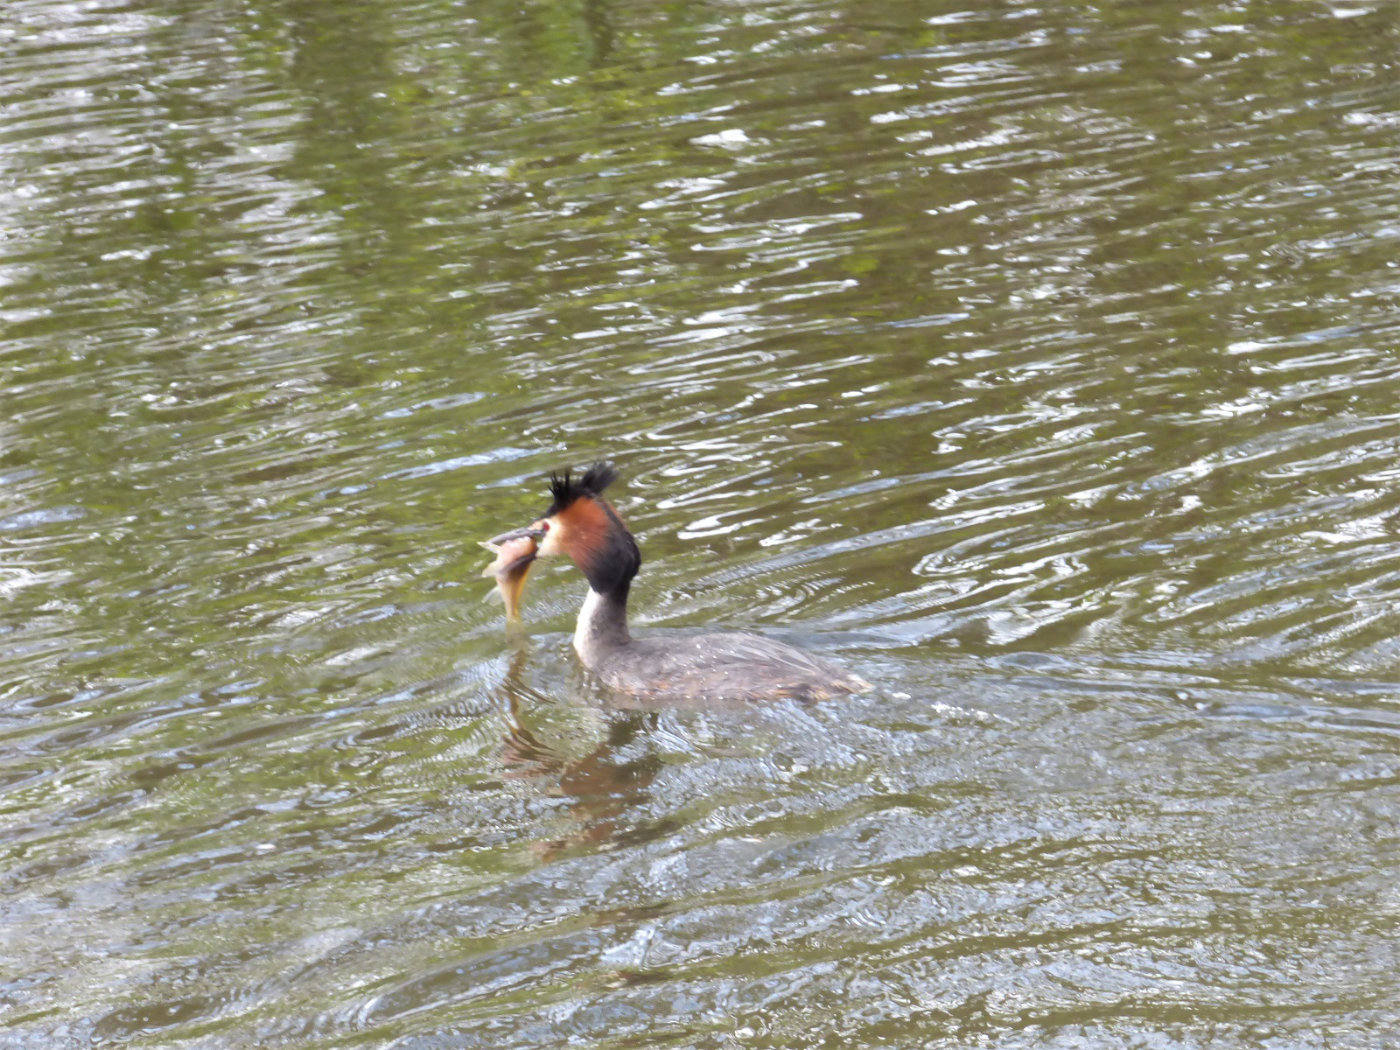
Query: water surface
[1037, 361]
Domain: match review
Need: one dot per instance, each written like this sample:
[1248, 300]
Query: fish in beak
[515, 553]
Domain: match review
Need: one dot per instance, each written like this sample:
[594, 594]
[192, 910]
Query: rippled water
[1039, 362]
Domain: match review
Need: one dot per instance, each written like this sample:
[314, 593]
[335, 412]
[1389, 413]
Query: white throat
[602, 624]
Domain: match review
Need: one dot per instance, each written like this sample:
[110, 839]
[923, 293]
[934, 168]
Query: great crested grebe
[719, 665]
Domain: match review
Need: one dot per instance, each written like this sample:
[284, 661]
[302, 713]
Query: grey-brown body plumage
[723, 665]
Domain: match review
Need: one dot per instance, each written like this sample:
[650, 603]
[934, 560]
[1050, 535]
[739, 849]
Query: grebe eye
[544, 526]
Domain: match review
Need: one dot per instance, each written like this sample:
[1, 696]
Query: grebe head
[582, 525]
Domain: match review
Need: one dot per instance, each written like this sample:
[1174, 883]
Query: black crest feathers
[567, 488]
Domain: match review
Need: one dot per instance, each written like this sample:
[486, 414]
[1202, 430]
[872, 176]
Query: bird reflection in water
[602, 787]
